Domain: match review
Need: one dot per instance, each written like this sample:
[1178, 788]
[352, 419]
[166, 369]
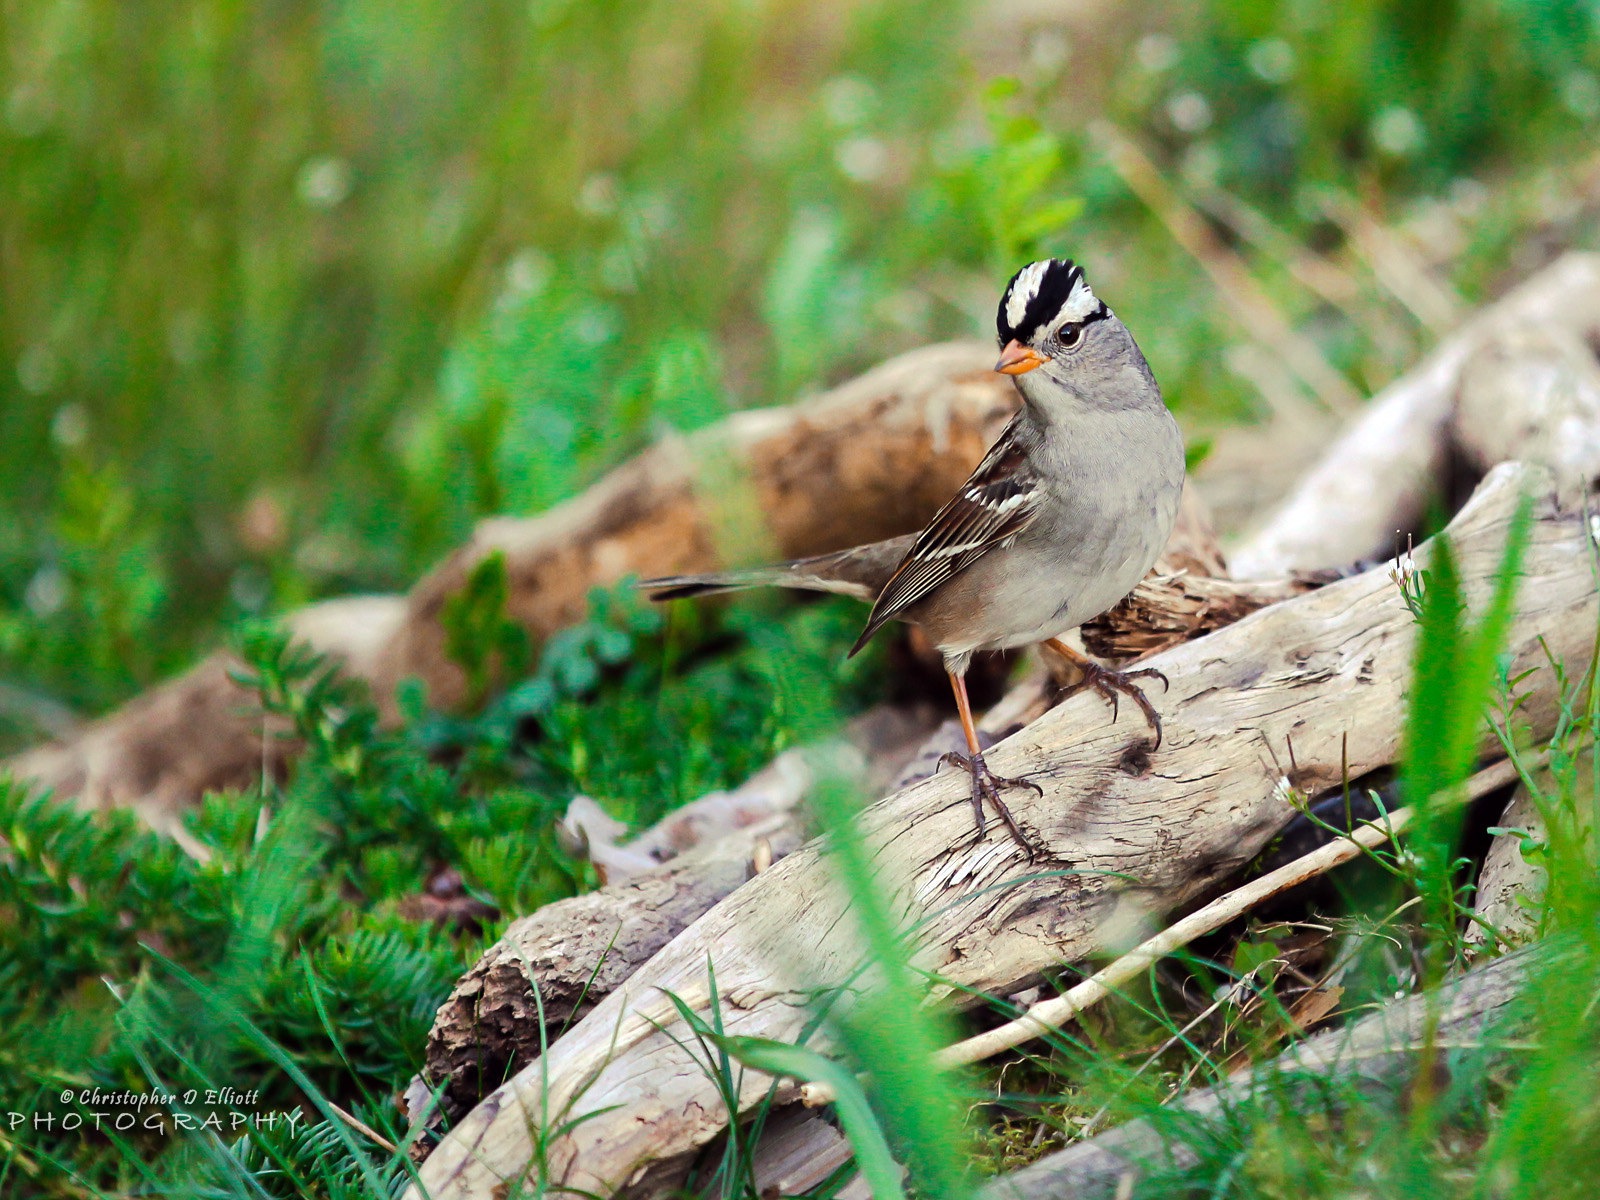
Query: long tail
[680, 587]
[860, 572]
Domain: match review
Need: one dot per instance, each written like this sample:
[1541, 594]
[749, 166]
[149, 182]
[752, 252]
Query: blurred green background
[292, 293]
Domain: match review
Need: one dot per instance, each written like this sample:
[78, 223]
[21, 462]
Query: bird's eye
[1069, 335]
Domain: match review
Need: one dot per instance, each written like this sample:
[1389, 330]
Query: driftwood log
[1517, 383]
[1377, 480]
[1190, 598]
[1380, 1048]
[555, 965]
[589, 945]
[1293, 693]
[200, 732]
[873, 458]
[1511, 885]
[1515, 878]
[564, 958]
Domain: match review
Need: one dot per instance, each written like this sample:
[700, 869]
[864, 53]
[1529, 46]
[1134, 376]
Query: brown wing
[998, 501]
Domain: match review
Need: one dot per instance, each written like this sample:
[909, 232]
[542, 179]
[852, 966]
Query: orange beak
[1017, 359]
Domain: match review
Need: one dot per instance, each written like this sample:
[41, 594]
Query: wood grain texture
[1142, 835]
[576, 952]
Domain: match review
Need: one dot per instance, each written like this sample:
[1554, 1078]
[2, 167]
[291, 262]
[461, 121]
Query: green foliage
[1016, 185]
[330, 243]
[888, 1031]
[97, 600]
[1453, 682]
[856, 1116]
[1300, 95]
[904, 1103]
[479, 636]
[292, 960]
[67, 930]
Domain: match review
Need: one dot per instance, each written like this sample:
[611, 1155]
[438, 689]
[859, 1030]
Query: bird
[1065, 514]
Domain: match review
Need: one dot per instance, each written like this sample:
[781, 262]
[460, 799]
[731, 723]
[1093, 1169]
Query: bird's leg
[985, 783]
[1109, 683]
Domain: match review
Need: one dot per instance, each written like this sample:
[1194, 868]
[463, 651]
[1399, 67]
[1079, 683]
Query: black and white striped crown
[1043, 295]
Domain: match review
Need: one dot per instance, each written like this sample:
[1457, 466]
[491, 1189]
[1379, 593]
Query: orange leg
[1109, 683]
[985, 783]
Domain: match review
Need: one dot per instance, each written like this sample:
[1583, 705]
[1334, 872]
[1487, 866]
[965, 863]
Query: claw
[986, 785]
[1111, 683]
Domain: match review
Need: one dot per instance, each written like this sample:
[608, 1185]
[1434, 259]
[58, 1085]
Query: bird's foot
[986, 785]
[1111, 684]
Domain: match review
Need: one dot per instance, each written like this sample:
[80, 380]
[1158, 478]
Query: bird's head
[1053, 329]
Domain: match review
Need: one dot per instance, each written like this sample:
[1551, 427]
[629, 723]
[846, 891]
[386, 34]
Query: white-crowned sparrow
[1065, 514]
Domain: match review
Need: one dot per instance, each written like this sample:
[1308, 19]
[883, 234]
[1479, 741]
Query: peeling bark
[574, 953]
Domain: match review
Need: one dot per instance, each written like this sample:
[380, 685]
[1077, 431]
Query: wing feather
[999, 500]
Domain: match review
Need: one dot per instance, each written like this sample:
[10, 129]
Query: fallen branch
[1049, 1015]
[589, 945]
[1379, 1047]
[767, 798]
[1510, 886]
[1325, 672]
[1379, 477]
[1515, 878]
[200, 732]
[574, 953]
[1532, 392]
[552, 967]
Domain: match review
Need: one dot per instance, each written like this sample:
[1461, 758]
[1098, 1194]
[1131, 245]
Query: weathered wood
[1512, 885]
[1046, 1015]
[1167, 609]
[1378, 478]
[574, 953]
[1380, 1047]
[200, 732]
[810, 1151]
[1188, 593]
[699, 825]
[1326, 672]
[590, 944]
[1532, 392]
[873, 458]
